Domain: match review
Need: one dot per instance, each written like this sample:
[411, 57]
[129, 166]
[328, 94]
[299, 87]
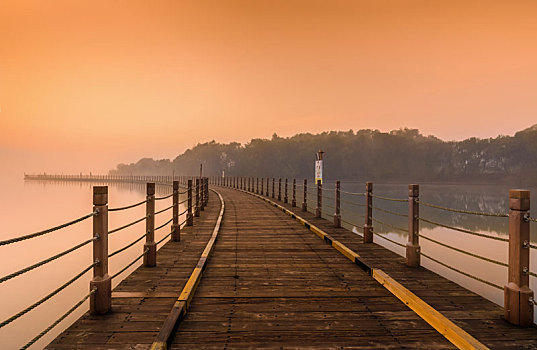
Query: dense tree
[400, 155]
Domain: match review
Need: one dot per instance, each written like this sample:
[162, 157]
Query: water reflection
[30, 206]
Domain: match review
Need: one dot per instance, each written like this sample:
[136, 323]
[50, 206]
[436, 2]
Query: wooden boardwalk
[271, 283]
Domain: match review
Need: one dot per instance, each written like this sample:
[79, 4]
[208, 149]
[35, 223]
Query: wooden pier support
[319, 208]
[202, 194]
[337, 214]
[518, 297]
[101, 300]
[150, 258]
[413, 245]
[305, 199]
[273, 186]
[262, 186]
[280, 189]
[267, 190]
[368, 226]
[176, 228]
[257, 185]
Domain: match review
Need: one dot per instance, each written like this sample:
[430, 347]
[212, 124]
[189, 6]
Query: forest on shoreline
[403, 155]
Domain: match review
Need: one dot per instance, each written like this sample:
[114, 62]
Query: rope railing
[464, 251]
[389, 198]
[164, 224]
[463, 211]
[127, 246]
[129, 264]
[388, 239]
[48, 296]
[389, 225]
[183, 201]
[462, 272]
[361, 194]
[352, 203]
[127, 225]
[464, 230]
[46, 261]
[163, 210]
[128, 206]
[165, 197]
[183, 212]
[390, 212]
[52, 229]
[60, 319]
[532, 219]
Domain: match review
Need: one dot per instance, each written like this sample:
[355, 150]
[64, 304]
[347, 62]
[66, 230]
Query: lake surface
[30, 206]
[33, 206]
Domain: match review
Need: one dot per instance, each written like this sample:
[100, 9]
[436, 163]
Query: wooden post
[293, 201]
[267, 191]
[273, 186]
[249, 186]
[413, 245]
[285, 197]
[176, 228]
[305, 201]
[189, 216]
[101, 300]
[337, 214]
[202, 194]
[150, 258]
[318, 210]
[197, 205]
[206, 191]
[518, 297]
[368, 227]
[257, 185]
[280, 189]
[262, 186]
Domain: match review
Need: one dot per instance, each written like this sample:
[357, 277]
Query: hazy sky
[102, 82]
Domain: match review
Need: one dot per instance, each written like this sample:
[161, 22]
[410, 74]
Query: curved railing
[314, 200]
[196, 198]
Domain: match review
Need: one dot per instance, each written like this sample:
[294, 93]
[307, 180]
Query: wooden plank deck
[272, 283]
[142, 301]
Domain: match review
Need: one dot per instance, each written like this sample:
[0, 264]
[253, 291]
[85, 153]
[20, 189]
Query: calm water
[483, 198]
[32, 206]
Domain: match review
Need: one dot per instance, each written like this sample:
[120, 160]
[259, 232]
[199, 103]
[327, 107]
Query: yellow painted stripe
[159, 345]
[352, 256]
[190, 287]
[456, 335]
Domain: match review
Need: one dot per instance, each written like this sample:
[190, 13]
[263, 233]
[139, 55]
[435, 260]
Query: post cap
[519, 199]
[150, 188]
[369, 186]
[413, 190]
[100, 195]
[175, 185]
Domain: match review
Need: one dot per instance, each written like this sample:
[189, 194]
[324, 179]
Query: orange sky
[103, 82]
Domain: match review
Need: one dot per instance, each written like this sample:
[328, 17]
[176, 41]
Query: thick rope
[127, 246]
[465, 252]
[361, 194]
[164, 224]
[40, 233]
[46, 261]
[461, 211]
[127, 225]
[390, 199]
[129, 265]
[463, 273]
[390, 212]
[165, 197]
[465, 231]
[128, 206]
[388, 239]
[390, 225]
[47, 297]
[55, 323]
[163, 210]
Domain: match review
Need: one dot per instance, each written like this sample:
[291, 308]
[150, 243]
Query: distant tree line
[399, 155]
